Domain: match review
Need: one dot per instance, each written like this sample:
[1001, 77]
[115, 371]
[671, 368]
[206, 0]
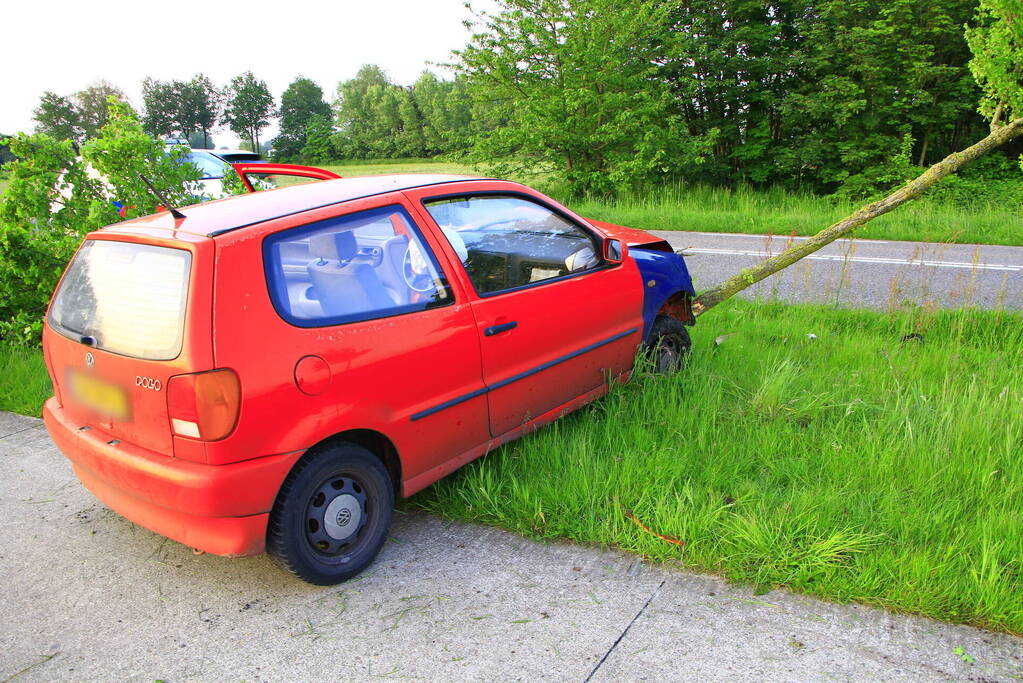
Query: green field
[380, 167]
[853, 466]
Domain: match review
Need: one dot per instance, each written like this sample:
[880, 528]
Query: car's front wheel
[331, 515]
[668, 346]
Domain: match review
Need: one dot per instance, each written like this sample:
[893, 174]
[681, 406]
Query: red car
[270, 371]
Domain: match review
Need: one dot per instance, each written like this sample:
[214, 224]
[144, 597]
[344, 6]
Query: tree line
[189, 109]
[830, 96]
[371, 116]
[826, 95]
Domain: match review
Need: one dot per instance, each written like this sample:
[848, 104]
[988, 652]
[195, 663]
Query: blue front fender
[664, 274]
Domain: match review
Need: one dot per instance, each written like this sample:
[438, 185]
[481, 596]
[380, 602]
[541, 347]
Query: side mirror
[614, 251]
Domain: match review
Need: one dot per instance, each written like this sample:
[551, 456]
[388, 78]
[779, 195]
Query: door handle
[498, 329]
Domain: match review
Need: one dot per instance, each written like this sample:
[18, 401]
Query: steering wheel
[410, 275]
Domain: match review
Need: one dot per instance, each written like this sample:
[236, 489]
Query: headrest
[334, 246]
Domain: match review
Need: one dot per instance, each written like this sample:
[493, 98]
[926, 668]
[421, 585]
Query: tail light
[204, 405]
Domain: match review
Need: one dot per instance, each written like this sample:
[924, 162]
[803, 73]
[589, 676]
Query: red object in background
[214, 431]
[243, 171]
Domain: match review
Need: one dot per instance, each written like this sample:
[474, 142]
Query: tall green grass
[853, 466]
[24, 384]
[776, 211]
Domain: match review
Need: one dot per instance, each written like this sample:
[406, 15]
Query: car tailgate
[130, 312]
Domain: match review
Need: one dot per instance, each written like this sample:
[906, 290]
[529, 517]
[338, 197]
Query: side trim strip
[522, 375]
[447, 404]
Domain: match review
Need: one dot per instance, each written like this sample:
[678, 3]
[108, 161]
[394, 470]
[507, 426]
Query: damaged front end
[667, 286]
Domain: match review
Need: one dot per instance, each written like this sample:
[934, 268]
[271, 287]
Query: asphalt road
[86, 595]
[863, 273]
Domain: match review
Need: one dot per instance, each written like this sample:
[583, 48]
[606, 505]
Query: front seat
[392, 267]
[342, 285]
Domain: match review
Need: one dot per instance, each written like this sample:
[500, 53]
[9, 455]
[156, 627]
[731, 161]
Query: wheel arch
[373, 441]
[679, 306]
[667, 287]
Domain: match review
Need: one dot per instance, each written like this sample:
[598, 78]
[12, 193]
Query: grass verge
[853, 466]
[24, 384]
[704, 209]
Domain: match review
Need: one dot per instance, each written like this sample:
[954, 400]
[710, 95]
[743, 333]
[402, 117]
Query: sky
[65, 46]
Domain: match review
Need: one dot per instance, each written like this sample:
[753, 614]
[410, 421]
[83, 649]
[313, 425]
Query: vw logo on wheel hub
[342, 517]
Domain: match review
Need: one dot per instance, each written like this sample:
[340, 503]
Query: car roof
[225, 215]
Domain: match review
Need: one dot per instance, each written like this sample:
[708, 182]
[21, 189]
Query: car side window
[360, 266]
[508, 241]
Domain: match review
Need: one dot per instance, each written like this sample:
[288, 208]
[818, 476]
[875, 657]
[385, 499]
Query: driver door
[555, 320]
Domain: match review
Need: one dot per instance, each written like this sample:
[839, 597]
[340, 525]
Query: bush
[991, 180]
[877, 181]
[56, 196]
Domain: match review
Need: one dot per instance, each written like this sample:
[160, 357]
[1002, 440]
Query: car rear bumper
[221, 509]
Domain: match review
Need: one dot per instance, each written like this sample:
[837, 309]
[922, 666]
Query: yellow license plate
[101, 396]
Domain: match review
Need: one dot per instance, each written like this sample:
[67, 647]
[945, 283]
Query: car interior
[356, 267]
[364, 266]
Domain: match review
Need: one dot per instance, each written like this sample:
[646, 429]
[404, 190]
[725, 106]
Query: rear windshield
[124, 298]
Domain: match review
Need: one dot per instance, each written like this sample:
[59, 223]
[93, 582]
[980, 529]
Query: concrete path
[87, 595]
[863, 273]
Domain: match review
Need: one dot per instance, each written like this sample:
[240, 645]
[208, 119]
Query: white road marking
[863, 259]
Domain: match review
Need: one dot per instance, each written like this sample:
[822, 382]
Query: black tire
[331, 515]
[669, 346]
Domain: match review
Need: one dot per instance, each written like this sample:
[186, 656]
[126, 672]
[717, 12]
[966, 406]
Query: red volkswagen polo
[269, 371]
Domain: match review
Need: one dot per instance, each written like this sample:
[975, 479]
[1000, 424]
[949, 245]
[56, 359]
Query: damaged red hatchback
[270, 371]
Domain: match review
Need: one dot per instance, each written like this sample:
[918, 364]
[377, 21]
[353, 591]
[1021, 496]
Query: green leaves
[55, 197]
[575, 85]
[379, 119]
[249, 108]
[189, 108]
[300, 103]
[997, 45]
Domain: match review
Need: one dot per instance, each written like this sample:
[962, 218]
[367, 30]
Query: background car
[236, 156]
[215, 163]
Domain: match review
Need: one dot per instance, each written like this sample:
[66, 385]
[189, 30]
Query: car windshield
[211, 166]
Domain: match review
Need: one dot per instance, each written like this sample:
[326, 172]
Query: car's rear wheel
[332, 514]
[669, 345]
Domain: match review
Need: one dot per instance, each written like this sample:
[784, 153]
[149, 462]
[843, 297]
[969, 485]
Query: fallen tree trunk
[911, 190]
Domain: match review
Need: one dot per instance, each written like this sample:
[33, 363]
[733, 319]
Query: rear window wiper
[87, 339]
